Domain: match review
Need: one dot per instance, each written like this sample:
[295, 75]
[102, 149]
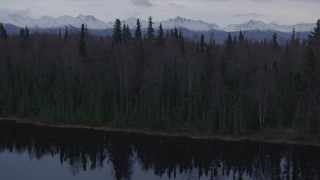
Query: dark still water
[30, 152]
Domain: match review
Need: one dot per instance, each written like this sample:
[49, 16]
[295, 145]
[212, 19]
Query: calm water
[30, 152]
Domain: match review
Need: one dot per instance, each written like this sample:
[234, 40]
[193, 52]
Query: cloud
[5, 12]
[301, 1]
[145, 3]
[255, 15]
[310, 1]
[175, 5]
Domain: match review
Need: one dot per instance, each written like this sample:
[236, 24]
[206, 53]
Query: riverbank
[276, 136]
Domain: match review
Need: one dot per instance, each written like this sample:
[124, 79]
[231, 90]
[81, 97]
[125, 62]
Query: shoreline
[253, 137]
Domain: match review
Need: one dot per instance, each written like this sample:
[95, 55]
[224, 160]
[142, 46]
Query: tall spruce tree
[241, 38]
[310, 70]
[82, 45]
[293, 36]
[59, 34]
[116, 36]
[27, 32]
[22, 33]
[128, 33]
[160, 37]
[274, 41]
[181, 42]
[229, 44]
[138, 34]
[124, 32]
[3, 32]
[314, 37]
[176, 34]
[66, 33]
[150, 30]
[202, 43]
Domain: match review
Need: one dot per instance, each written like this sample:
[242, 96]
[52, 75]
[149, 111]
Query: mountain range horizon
[47, 22]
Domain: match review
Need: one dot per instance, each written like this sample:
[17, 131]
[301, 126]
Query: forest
[161, 80]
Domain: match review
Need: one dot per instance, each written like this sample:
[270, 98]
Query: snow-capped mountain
[50, 22]
[253, 25]
[132, 23]
[47, 22]
[247, 26]
[178, 22]
[18, 20]
[192, 25]
[302, 27]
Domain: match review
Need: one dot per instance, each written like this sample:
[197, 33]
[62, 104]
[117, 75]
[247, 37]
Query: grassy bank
[279, 136]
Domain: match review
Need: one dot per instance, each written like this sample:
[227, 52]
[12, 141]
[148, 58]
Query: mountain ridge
[92, 22]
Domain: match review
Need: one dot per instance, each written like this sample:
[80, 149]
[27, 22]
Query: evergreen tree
[235, 41]
[241, 37]
[150, 30]
[138, 34]
[176, 35]
[202, 43]
[129, 36]
[3, 32]
[86, 30]
[22, 33]
[59, 34]
[311, 84]
[160, 37]
[126, 34]
[310, 68]
[181, 41]
[116, 37]
[274, 41]
[66, 33]
[27, 33]
[314, 37]
[265, 41]
[82, 45]
[293, 36]
[229, 44]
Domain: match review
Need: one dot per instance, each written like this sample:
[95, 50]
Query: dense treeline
[162, 80]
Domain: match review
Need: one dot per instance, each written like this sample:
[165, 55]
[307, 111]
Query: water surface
[37, 153]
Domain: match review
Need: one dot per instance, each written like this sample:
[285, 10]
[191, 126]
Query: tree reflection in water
[85, 150]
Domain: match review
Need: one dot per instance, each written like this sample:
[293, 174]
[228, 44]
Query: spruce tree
[138, 34]
[27, 33]
[86, 30]
[293, 36]
[66, 33]
[176, 35]
[124, 32]
[3, 32]
[241, 37]
[229, 44]
[129, 33]
[22, 33]
[202, 43]
[235, 41]
[274, 41]
[314, 37]
[82, 45]
[181, 42]
[59, 34]
[310, 70]
[116, 37]
[150, 30]
[160, 37]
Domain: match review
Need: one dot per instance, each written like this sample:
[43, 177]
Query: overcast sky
[221, 12]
